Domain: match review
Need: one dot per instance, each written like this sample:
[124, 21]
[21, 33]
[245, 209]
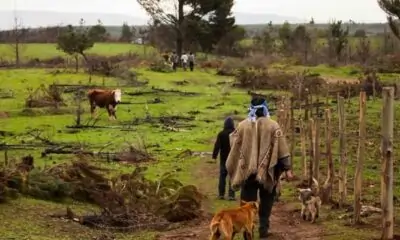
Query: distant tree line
[98, 32]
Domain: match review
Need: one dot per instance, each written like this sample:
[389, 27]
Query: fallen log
[175, 91]
[122, 127]
[181, 235]
[155, 90]
[20, 146]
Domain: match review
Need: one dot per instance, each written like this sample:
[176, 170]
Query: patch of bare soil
[285, 220]
[4, 115]
[340, 80]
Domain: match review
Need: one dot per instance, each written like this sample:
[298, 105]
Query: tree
[229, 43]
[222, 22]
[285, 35]
[182, 10]
[360, 33]
[126, 33]
[265, 40]
[337, 39]
[98, 32]
[75, 41]
[17, 35]
[363, 49]
[301, 41]
[392, 9]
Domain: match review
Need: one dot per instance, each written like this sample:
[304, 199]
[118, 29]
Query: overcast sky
[321, 10]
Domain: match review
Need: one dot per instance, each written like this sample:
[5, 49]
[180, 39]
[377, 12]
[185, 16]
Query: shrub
[160, 66]
[44, 97]
[230, 66]
[213, 63]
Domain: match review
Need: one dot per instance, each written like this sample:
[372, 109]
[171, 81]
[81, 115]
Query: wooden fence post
[387, 163]
[307, 106]
[303, 137]
[342, 153]
[292, 127]
[311, 131]
[316, 148]
[328, 185]
[360, 159]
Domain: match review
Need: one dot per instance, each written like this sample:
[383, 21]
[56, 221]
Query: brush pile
[133, 155]
[44, 97]
[128, 202]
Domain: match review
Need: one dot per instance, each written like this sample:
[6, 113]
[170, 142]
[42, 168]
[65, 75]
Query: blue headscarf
[253, 110]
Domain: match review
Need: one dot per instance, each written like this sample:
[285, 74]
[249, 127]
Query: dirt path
[285, 221]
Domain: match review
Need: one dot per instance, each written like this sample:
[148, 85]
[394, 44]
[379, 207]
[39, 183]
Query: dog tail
[219, 226]
[215, 225]
[316, 186]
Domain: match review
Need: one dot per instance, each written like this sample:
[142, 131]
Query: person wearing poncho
[259, 155]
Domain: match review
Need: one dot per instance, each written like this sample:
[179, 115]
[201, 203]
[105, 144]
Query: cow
[104, 99]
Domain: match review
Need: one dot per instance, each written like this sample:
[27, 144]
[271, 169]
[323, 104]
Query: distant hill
[251, 21]
[34, 19]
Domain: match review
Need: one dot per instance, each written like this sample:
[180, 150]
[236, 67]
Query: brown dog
[228, 222]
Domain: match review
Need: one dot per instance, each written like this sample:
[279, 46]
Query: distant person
[191, 61]
[222, 146]
[174, 60]
[184, 60]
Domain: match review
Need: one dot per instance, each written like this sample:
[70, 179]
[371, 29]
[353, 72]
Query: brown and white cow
[105, 99]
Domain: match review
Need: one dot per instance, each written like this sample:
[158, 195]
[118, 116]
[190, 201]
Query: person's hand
[289, 175]
[212, 160]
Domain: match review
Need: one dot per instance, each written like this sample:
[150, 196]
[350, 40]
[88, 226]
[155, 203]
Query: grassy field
[46, 51]
[375, 41]
[215, 100]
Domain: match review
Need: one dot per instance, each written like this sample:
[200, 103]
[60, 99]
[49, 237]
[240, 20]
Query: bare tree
[160, 11]
[17, 35]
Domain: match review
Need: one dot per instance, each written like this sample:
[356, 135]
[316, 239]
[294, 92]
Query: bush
[388, 64]
[44, 97]
[160, 66]
[230, 66]
[44, 186]
[279, 80]
[214, 63]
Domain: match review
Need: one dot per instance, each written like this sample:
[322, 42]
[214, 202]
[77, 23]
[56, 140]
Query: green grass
[342, 73]
[375, 42]
[45, 51]
[29, 217]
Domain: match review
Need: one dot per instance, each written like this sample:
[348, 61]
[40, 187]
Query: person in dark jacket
[223, 147]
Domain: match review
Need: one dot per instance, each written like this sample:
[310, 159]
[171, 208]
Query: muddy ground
[285, 221]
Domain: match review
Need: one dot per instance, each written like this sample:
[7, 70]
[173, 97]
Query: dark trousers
[249, 193]
[174, 66]
[223, 174]
[191, 66]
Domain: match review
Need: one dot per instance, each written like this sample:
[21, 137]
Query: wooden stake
[342, 153]
[303, 136]
[307, 103]
[292, 127]
[328, 185]
[311, 131]
[387, 163]
[316, 132]
[360, 159]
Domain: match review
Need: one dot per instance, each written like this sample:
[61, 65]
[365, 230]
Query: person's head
[229, 123]
[258, 108]
[190, 53]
